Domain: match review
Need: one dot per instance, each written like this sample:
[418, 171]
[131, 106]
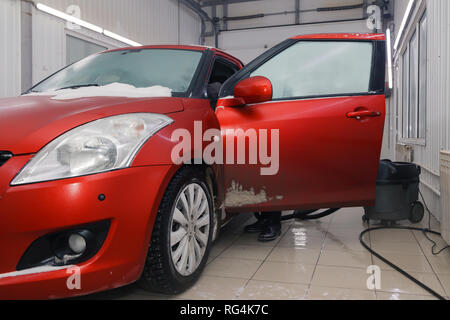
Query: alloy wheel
[190, 227]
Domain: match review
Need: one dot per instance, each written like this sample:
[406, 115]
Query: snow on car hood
[29, 122]
[110, 90]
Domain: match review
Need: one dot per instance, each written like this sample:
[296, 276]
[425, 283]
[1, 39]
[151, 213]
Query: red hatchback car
[93, 182]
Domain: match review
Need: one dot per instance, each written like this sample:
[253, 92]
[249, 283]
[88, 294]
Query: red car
[93, 182]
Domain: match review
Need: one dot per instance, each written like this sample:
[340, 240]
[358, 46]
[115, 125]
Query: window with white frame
[422, 78]
[414, 81]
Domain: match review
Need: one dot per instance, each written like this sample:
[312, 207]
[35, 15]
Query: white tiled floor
[313, 260]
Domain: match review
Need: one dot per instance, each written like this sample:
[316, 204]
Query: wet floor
[313, 260]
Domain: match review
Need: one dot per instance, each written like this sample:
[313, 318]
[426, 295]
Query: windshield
[140, 68]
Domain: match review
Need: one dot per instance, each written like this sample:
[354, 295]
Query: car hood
[28, 123]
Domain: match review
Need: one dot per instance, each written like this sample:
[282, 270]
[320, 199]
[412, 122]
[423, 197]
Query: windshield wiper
[76, 86]
[31, 91]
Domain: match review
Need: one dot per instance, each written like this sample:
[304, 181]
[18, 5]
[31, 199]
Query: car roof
[182, 47]
[162, 46]
[343, 36]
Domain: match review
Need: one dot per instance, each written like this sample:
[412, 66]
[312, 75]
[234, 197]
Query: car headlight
[101, 145]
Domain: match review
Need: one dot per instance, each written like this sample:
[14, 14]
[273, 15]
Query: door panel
[329, 111]
[326, 159]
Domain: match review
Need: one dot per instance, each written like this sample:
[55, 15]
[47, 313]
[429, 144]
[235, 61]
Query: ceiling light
[69, 18]
[389, 57]
[403, 24]
[120, 38]
[85, 24]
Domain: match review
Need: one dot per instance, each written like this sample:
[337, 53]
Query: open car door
[311, 112]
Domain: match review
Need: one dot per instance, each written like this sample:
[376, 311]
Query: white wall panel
[438, 96]
[10, 59]
[331, 15]
[286, 7]
[144, 21]
[248, 38]
[190, 27]
[48, 44]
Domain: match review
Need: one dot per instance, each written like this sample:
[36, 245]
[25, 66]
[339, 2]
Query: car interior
[222, 70]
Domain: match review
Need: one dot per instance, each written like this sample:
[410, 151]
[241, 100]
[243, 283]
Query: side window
[414, 85]
[319, 68]
[220, 73]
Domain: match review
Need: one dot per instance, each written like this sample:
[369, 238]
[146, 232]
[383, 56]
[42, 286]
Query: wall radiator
[445, 195]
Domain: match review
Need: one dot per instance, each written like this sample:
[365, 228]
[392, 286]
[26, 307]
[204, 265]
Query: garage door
[250, 43]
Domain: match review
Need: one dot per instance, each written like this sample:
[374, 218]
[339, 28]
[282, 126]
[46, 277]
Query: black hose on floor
[308, 214]
[319, 215]
[425, 232]
[403, 272]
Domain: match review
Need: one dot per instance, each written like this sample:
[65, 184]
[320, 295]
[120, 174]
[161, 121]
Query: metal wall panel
[48, 45]
[286, 7]
[189, 27]
[144, 21]
[438, 96]
[282, 13]
[10, 59]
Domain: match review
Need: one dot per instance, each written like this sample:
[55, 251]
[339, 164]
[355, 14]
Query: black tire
[417, 212]
[159, 274]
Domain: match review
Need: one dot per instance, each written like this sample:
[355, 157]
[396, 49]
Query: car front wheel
[181, 236]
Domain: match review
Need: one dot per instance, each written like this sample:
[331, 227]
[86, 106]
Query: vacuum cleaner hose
[308, 214]
[403, 272]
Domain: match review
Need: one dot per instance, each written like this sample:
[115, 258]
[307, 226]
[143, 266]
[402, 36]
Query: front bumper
[29, 212]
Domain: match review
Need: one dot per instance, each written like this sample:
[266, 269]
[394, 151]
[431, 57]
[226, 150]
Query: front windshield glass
[140, 68]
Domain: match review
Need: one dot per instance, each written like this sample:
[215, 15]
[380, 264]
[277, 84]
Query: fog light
[71, 246]
[77, 243]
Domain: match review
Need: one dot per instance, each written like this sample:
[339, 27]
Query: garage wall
[144, 21]
[48, 47]
[10, 60]
[426, 153]
[189, 27]
[269, 7]
[250, 43]
[249, 38]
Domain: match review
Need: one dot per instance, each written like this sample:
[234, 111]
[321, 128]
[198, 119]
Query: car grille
[4, 156]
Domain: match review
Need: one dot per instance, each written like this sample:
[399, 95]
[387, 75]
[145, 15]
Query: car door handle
[363, 114]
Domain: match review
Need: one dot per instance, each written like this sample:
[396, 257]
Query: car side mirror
[248, 91]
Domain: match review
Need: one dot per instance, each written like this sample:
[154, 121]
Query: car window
[220, 73]
[141, 68]
[318, 68]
